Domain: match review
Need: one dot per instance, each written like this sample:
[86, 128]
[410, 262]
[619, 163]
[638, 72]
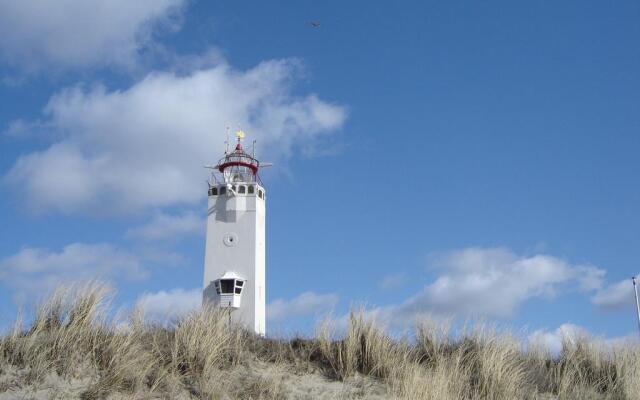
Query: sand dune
[75, 349]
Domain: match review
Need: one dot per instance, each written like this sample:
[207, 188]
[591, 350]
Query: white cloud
[590, 277]
[145, 146]
[553, 340]
[308, 303]
[490, 282]
[36, 34]
[615, 296]
[22, 129]
[168, 305]
[165, 306]
[169, 227]
[35, 272]
[393, 281]
[494, 281]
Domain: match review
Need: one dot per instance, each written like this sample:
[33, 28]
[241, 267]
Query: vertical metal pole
[635, 290]
[226, 149]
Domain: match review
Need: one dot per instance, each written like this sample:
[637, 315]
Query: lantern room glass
[238, 173]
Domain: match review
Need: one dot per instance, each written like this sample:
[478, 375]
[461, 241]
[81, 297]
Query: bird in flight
[315, 24]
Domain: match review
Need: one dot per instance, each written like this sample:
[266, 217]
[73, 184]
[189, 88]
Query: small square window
[250, 190]
[242, 189]
[260, 194]
[223, 190]
[214, 191]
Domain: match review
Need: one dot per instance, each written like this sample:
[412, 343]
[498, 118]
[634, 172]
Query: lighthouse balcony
[229, 290]
[237, 190]
[230, 301]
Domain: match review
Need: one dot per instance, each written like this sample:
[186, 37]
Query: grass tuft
[72, 343]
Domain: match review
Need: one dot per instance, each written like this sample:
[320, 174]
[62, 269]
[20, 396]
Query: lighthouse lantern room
[234, 265]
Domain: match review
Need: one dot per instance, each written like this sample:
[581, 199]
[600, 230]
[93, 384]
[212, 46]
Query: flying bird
[315, 24]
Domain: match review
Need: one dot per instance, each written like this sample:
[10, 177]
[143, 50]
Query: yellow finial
[240, 134]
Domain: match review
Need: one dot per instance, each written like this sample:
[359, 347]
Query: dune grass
[202, 356]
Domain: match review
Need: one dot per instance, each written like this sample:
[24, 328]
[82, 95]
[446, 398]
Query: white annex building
[234, 264]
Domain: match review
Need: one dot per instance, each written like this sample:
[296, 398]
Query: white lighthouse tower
[234, 265]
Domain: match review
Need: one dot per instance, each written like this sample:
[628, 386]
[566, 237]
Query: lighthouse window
[238, 290]
[214, 191]
[223, 190]
[260, 193]
[240, 283]
[226, 285]
[250, 189]
[242, 189]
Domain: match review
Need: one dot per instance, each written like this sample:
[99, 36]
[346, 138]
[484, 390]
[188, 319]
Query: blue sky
[431, 157]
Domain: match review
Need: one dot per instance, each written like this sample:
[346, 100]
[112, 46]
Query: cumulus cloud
[552, 340]
[20, 129]
[615, 296]
[308, 303]
[76, 33]
[35, 271]
[174, 303]
[168, 227]
[490, 282]
[495, 281]
[124, 150]
[393, 281]
[168, 305]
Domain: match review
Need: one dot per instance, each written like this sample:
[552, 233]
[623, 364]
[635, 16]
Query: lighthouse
[234, 264]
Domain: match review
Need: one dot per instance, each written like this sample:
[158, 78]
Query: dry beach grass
[73, 350]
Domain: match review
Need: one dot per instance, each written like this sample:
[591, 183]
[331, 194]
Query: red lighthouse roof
[238, 165]
[238, 158]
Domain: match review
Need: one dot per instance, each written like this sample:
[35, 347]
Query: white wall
[243, 217]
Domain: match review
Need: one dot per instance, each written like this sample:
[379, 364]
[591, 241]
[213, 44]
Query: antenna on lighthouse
[253, 149]
[226, 142]
[635, 290]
